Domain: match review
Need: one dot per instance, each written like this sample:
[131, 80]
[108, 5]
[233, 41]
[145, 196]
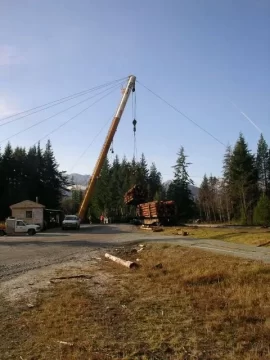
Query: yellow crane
[106, 146]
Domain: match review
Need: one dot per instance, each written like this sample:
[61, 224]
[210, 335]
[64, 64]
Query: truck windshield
[70, 218]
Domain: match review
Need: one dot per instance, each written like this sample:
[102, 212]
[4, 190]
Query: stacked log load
[135, 195]
[156, 209]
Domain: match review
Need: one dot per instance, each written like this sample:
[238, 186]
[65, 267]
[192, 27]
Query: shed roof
[27, 204]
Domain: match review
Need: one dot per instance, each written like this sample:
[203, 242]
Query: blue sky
[199, 55]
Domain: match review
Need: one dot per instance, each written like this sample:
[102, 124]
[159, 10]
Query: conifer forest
[241, 195]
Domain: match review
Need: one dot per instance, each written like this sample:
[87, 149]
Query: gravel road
[18, 255]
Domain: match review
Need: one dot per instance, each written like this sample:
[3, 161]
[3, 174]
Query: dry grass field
[252, 236]
[179, 304]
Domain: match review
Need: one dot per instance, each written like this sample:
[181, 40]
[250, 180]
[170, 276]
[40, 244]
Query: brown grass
[196, 306]
[251, 236]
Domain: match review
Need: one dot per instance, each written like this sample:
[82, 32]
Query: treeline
[119, 176]
[27, 175]
[242, 195]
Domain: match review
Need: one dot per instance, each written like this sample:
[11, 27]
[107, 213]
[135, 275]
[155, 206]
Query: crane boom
[104, 151]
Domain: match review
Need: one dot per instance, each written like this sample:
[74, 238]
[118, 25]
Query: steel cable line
[73, 117]
[54, 115]
[91, 143]
[181, 113]
[66, 97]
[60, 101]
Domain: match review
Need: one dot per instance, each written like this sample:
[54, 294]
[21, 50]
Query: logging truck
[156, 213]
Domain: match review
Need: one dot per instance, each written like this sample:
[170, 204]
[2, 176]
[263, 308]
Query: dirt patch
[26, 286]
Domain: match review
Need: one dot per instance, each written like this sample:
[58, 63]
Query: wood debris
[80, 276]
[65, 343]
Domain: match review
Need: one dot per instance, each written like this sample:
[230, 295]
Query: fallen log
[80, 276]
[157, 229]
[264, 244]
[128, 264]
[65, 343]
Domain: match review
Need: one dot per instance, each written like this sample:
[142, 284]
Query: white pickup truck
[16, 226]
[71, 222]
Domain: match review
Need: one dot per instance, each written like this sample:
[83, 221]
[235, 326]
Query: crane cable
[91, 143]
[73, 117]
[54, 115]
[56, 102]
[181, 113]
[134, 122]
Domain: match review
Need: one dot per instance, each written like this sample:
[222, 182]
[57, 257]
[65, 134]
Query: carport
[53, 218]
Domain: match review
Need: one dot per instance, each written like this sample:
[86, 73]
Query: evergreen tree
[76, 197]
[179, 189]
[54, 182]
[20, 187]
[154, 183]
[227, 164]
[262, 211]
[268, 174]
[7, 181]
[243, 177]
[227, 183]
[213, 198]
[262, 162]
[34, 174]
[203, 198]
[116, 188]
[103, 193]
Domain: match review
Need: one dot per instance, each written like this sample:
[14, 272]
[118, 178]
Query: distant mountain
[80, 181]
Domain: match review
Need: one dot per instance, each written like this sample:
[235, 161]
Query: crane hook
[134, 122]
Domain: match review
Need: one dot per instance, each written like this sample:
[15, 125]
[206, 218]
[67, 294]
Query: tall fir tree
[243, 181]
[142, 172]
[179, 190]
[7, 181]
[54, 182]
[103, 193]
[227, 183]
[116, 185]
[203, 199]
[262, 161]
[154, 183]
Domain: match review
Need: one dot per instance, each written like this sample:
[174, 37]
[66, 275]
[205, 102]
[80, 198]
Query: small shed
[29, 211]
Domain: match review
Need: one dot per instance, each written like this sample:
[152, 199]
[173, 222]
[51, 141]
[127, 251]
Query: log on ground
[128, 264]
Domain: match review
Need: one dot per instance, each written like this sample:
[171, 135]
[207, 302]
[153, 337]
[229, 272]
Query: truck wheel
[2, 233]
[31, 232]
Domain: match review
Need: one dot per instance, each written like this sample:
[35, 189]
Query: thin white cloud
[6, 109]
[247, 117]
[9, 55]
